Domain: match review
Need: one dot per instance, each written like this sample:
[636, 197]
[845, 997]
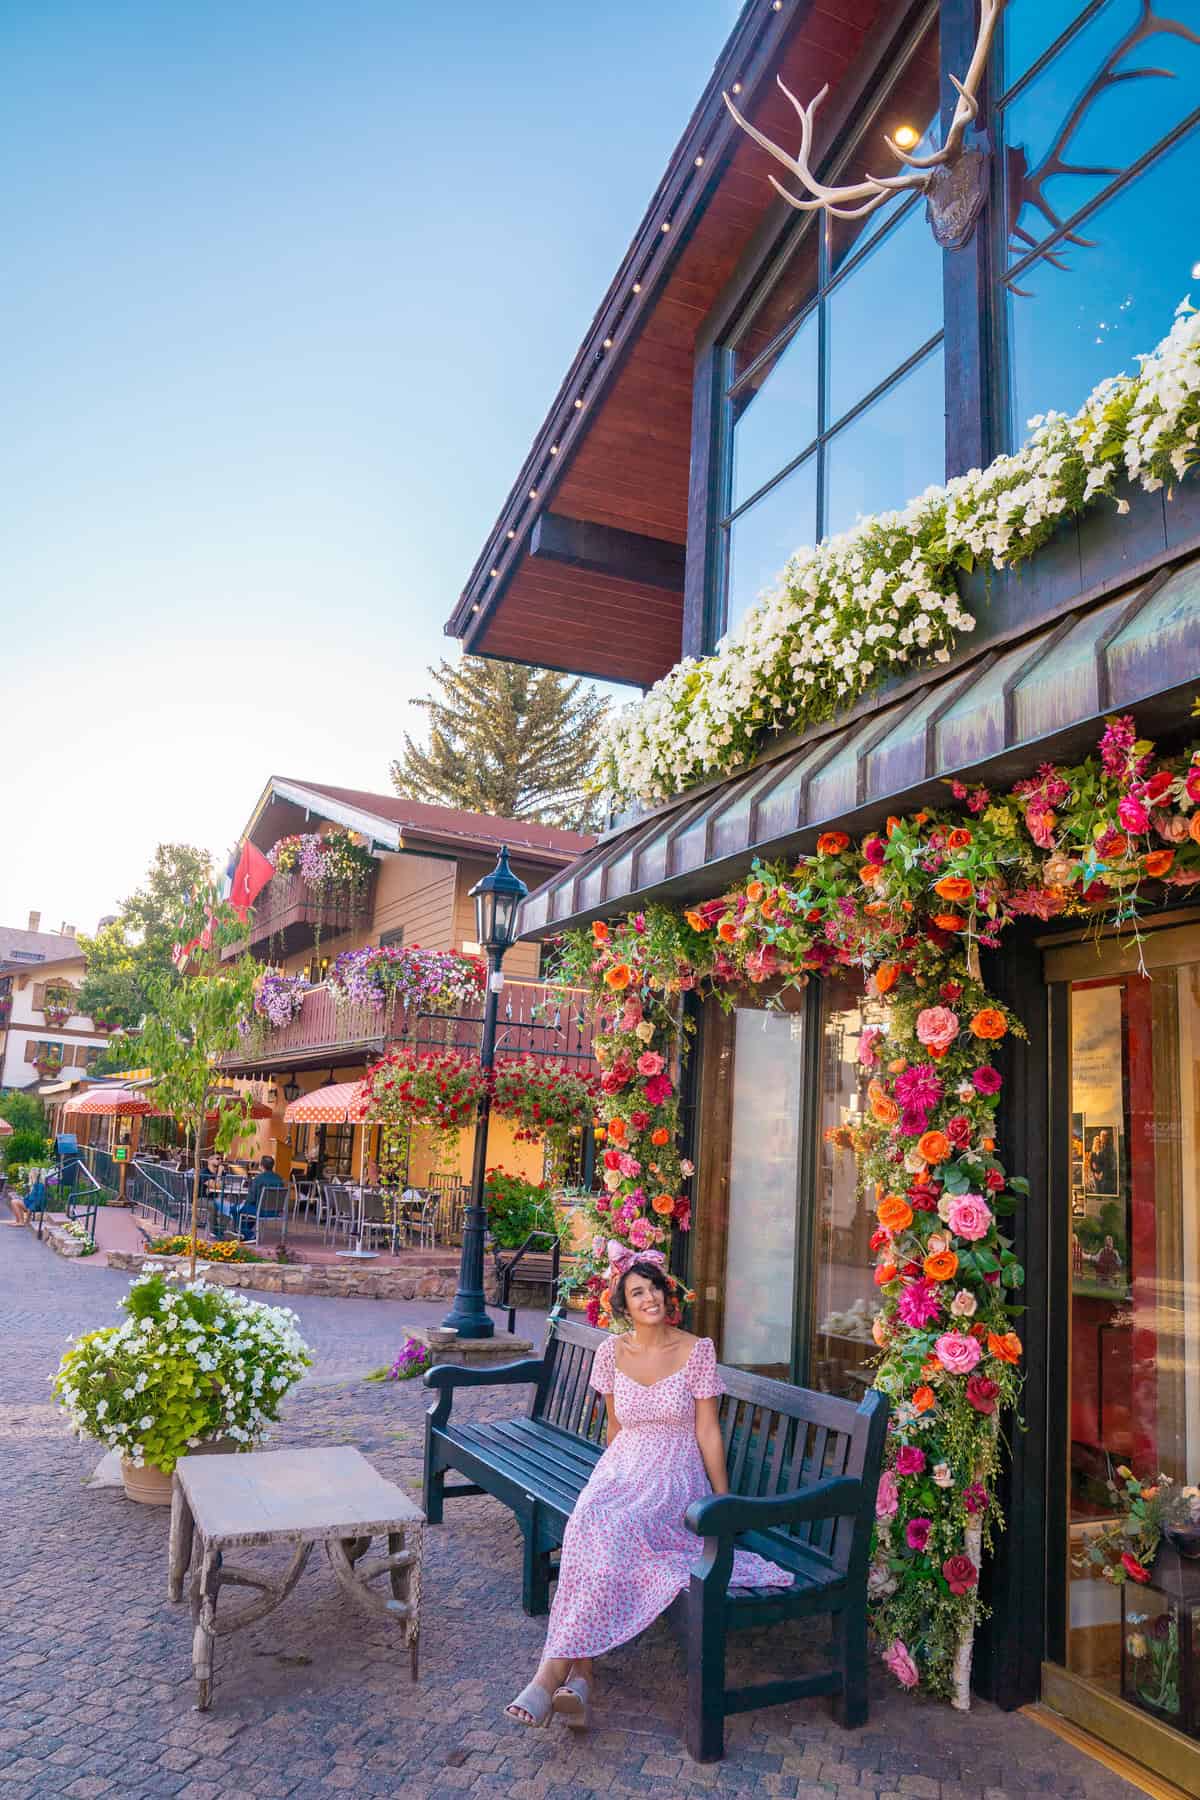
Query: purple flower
[916, 1533]
[986, 1080]
[919, 1304]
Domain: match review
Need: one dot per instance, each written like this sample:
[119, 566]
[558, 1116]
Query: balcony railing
[289, 915]
[536, 1017]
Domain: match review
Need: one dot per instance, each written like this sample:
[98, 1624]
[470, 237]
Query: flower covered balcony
[291, 913]
[329, 1027]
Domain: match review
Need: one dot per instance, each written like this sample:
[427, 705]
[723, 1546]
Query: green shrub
[25, 1145]
[516, 1207]
[24, 1112]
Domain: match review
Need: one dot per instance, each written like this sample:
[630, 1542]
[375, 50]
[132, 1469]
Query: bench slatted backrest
[777, 1437]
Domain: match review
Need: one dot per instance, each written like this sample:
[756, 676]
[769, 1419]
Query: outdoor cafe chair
[419, 1217]
[340, 1209]
[375, 1220]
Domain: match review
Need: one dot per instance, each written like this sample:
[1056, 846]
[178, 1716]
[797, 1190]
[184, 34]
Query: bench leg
[435, 1488]
[535, 1573]
[850, 1706]
[706, 1670]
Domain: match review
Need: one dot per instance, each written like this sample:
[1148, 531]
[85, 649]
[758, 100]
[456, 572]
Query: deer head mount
[953, 179]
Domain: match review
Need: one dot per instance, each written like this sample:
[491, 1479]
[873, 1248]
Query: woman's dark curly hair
[658, 1277]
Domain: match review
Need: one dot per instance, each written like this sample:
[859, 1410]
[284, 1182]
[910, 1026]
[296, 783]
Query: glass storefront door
[1133, 1381]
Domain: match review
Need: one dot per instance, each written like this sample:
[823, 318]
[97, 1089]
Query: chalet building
[422, 862]
[755, 379]
[44, 1038]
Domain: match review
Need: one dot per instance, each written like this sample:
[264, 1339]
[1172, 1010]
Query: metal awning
[1039, 699]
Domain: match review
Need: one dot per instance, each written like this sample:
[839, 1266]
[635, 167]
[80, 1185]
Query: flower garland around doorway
[909, 908]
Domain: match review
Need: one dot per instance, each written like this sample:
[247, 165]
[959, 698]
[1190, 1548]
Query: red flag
[249, 878]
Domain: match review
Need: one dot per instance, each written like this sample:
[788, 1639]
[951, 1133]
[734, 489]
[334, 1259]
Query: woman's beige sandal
[534, 1702]
[573, 1700]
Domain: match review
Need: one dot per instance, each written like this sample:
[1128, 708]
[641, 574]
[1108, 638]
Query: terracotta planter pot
[152, 1487]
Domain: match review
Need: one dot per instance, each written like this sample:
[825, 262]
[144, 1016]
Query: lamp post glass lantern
[496, 898]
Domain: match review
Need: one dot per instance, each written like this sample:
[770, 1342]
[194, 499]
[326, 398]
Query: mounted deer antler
[925, 174]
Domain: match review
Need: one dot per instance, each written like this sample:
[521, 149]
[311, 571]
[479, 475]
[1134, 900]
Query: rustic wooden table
[297, 1497]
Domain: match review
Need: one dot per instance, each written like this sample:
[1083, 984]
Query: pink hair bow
[621, 1259]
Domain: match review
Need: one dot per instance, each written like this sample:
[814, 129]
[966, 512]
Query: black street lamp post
[496, 898]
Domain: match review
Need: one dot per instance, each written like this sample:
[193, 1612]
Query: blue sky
[288, 289]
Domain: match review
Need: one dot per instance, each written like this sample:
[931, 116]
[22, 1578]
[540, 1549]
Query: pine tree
[506, 739]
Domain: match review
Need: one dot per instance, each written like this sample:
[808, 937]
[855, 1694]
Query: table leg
[406, 1588]
[206, 1585]
[182, 1534]
[402, 1567]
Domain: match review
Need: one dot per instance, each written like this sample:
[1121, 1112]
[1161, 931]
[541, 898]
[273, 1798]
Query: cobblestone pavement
[315, 1702]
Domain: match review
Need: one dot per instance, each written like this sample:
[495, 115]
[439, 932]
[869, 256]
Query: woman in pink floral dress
[626, 1552]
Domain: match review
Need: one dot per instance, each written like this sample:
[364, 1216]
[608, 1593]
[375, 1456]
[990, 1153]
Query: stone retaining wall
[59, 1240]
[362, 1281]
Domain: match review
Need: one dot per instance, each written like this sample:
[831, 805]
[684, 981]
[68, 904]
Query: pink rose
[658, 1090]
[937, 1027]
[916, 1534]
[969, 1216]
[629, 1165]
[1192, 784]
[901, 1664]
[887, 1496]
[986, 1080]
[964, 1304]
[641, 1234]
[957, 1353]
[910, 1460]
[651, 1063]
[868, 1053]
[1133, 814]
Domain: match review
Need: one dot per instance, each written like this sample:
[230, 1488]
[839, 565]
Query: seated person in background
[260, 1192]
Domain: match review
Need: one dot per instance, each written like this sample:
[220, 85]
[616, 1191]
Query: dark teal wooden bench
[803, 1471]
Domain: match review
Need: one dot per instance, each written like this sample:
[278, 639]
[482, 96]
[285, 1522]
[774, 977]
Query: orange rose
[1004, 1349]
[769, 907]
[893, 824]
[894, 1213]
[618, 977]
[869, 874]
[1194, 828]
[727, 931]
[884, 1109]
[886, 976]
[934, 1146]
[884, 1273]
[923, 1398]
[617, 1130]
[695, 921]
[948, 921]
[942, 1267]
[989, 1143]
[832, 843]
[1159, 861]
[660, 1136]
[959, 838]
[1118, 845]
[663, 1204]
[953, 887]
[599, 932]
[921, 818]
[754, 892]
[989, 1022]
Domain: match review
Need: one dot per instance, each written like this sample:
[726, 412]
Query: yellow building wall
[522, 960]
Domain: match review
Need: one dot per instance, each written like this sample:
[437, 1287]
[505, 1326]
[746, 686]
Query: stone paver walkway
[95, 1676]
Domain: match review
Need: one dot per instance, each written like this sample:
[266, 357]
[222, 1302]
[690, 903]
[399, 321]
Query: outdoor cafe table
[300, 1498]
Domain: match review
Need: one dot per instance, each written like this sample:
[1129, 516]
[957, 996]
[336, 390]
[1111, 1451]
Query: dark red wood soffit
[627, 462]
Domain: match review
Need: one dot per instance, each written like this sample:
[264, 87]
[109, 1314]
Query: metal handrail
[146, 1173]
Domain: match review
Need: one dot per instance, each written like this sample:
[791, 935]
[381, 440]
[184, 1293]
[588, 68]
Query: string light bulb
[700, 160]
[494, 573]
[666, 225]
[906, 136]
[608, 343]
[511, 532]
[737, 87]
[533, 493]
[637, 287]
[578, 405]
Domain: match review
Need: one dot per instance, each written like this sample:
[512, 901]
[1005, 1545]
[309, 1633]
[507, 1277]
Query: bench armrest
[530, 1371]
[727, 1515]
[452, 1375]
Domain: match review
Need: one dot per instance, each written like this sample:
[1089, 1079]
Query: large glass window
[1134, 1371]
[1100, 123]
[835, 375]
[841, 1350]
[760, 1255]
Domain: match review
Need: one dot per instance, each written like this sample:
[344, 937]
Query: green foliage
[26, 1145]
[124, 957]
[517, 742]
[23, 1112]
[516, 1207]
[188, 1363]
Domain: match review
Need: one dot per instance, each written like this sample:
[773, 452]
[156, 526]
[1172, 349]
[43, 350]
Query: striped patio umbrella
[258, 1110]
[336, 1104]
